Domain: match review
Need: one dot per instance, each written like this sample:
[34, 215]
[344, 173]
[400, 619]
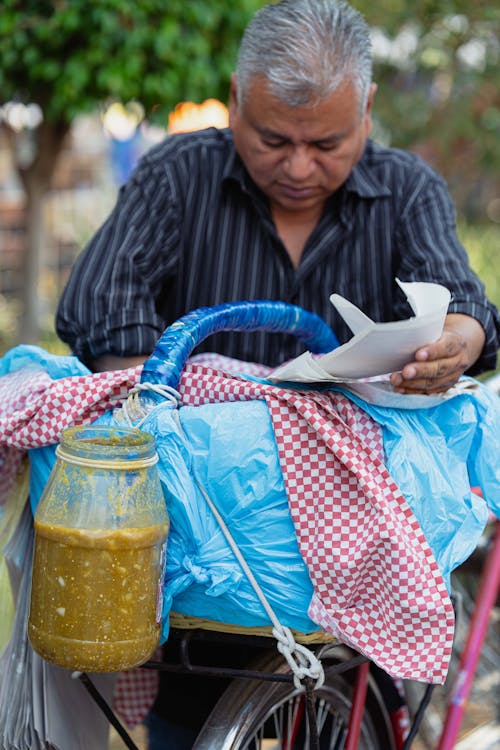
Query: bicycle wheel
[258, 715]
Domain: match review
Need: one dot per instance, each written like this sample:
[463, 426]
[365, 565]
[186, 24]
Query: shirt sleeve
[108, 305]
[431, 251]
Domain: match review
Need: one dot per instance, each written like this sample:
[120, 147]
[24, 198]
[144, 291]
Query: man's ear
[233, 98]
[368, 110]
[371, 95]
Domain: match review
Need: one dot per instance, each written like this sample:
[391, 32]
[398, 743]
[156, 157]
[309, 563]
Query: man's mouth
[296, 192]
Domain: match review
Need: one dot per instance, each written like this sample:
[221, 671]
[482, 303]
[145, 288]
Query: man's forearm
[112, 362]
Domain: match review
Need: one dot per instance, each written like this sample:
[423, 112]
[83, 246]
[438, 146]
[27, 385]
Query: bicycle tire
[251, 714]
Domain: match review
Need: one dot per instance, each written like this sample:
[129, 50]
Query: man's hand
[438, 366]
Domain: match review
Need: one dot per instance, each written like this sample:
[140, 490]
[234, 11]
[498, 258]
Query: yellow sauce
[94, 596]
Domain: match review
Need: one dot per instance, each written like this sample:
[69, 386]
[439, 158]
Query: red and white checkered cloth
[34, 409]
[135, 692]
[376, 583]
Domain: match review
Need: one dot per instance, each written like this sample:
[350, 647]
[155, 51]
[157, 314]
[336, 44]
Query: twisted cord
[134, 409]
[301, 660]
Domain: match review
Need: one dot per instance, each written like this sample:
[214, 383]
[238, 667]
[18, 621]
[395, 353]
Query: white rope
[134, 411]
[301, 660]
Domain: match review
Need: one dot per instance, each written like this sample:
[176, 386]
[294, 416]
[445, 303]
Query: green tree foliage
[437, 63]
[69, 55]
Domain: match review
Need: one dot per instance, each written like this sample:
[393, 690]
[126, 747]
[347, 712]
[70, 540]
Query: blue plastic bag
[436, 456]
[231, 450]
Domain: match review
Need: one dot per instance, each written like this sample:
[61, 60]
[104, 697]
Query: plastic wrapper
[438, 456]
[230, 448]
[41, 705]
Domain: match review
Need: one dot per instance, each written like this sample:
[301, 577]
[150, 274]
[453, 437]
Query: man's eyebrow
[332, 139]
[336, 138]
[271, 133]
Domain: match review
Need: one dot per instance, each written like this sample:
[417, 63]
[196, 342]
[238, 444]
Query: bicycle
[356, 706]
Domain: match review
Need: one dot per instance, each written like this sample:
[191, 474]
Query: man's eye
[327, 145]
[273, 143]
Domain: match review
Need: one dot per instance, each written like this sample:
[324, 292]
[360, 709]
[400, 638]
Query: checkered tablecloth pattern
[34, 409]
[135, 692]
[376, 583]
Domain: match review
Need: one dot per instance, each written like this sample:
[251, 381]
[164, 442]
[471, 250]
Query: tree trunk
[36, 174]
[31, 308]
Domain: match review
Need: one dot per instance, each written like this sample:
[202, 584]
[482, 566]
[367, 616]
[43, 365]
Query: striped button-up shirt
[191, 229]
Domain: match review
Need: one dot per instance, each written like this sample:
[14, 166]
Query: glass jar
[100, 538]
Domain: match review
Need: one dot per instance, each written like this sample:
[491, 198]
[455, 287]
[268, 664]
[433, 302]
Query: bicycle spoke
[275, 718]
[337, 726]
[288, 719]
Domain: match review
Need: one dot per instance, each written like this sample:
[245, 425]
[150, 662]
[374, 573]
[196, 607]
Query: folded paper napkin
[376, 349]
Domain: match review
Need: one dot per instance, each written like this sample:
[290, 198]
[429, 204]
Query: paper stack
[364, 363]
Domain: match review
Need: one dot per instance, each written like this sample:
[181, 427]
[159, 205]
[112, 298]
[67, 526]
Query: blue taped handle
[178, 341]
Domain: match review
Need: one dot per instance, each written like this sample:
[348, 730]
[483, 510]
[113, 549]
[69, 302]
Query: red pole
[357, 707]
[488, 589]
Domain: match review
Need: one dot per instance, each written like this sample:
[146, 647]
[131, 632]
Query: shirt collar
[234, 169]
[362, 179]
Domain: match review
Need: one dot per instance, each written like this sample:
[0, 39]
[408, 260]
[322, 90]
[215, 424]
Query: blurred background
[87, 86]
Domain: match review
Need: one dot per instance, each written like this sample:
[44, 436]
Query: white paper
[376, 349]
[380, 392]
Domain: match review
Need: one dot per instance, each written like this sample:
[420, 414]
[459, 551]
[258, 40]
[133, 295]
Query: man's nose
[299, 163]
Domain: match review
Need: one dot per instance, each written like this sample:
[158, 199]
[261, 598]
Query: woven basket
[189, 622]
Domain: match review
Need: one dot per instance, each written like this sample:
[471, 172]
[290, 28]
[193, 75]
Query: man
[293, 202]
[300, 206]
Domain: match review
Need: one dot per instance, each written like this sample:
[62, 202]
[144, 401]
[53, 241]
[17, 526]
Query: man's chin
[296, 202]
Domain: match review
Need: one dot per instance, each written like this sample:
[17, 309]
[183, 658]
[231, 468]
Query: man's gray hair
[306, 49]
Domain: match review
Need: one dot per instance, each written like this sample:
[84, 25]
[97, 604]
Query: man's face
[298, 156]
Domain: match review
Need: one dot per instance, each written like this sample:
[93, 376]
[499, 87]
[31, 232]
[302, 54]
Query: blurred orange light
[188, 116]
